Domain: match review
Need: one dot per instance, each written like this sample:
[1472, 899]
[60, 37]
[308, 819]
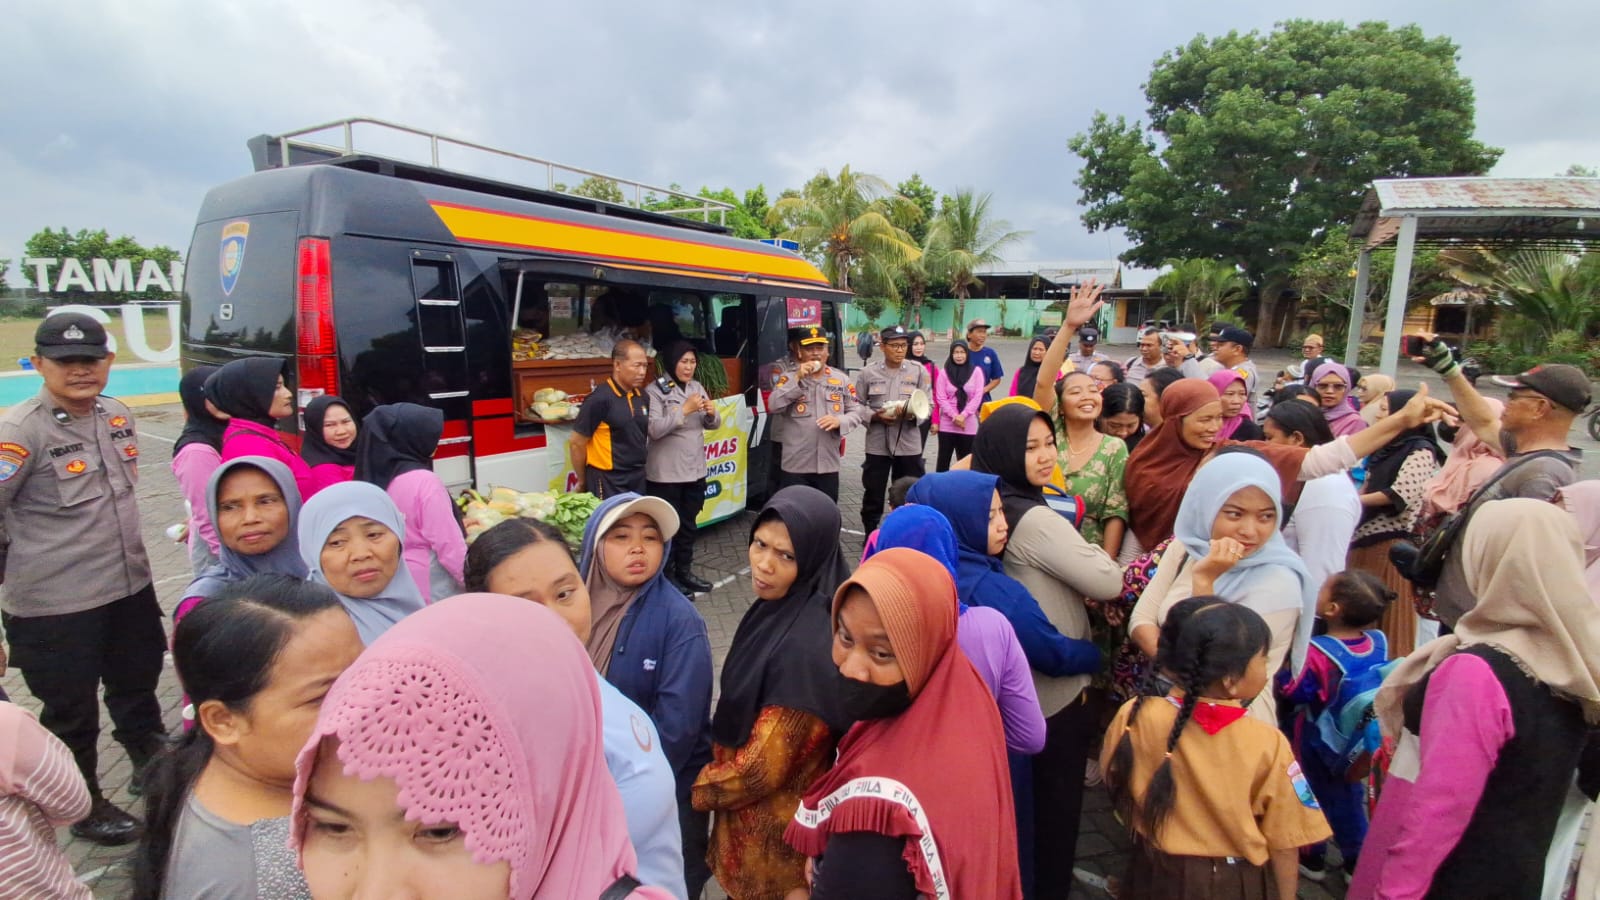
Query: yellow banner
[726, 455]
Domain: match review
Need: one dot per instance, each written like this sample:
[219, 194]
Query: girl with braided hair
[1211, 794]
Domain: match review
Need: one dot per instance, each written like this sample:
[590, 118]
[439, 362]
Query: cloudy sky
[119, 115]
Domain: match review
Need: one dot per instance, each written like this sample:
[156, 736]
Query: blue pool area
[126, 382]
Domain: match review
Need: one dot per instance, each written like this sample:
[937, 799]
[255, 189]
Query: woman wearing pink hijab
[1471, 463]
[1331, 381]
[1582, 499]
[478, 719]
[1236, 422]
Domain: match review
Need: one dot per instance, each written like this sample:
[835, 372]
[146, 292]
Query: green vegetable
[571, 514]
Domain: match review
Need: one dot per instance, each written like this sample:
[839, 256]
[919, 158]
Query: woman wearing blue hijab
[968, 501]
[984, 634]
[351, 538]
[1227, 527]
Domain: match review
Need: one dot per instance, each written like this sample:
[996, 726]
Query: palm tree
[845, 221]
[1200, 290]
[963, 239]
[1551, 290]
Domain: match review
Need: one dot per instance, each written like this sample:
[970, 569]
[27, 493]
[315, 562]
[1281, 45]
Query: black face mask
[863, 701]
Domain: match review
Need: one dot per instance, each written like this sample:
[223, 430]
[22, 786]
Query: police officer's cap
[69, 335]
[807, 335]
[894, 333]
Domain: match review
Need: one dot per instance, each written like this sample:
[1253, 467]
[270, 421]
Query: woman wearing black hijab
[1391, 502]
[918, 353]
[251, 391]
[197, 454]
[1059, 568]
[958, 394]
[781, 712]
[332, 459]
[395, 452]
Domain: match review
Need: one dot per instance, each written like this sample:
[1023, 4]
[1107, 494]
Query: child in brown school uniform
[1212, 795]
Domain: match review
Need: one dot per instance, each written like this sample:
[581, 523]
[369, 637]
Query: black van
[391, 281]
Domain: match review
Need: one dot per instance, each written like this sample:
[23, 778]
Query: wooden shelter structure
[1474, 211]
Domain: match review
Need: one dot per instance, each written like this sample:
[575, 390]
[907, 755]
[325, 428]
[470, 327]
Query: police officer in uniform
[78, 605]
[820, 407]
[894, 442]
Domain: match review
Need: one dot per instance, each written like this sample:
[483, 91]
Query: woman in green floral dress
[1091, 462]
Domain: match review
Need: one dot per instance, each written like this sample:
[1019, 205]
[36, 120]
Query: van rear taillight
[318, 367]
[314, 297]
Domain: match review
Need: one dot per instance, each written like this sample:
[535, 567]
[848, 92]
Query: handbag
[1423, 564]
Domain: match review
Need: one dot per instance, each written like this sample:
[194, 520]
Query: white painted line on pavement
[853, 531]
[729, 580]
[156, 435]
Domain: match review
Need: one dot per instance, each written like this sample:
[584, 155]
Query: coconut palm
[1200, 291]
[845, 221]
[1550, 290]
[964, 238]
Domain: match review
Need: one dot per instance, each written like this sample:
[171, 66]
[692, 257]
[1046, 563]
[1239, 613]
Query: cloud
[132, 111]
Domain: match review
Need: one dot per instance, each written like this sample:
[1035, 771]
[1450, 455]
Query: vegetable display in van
[568, 512]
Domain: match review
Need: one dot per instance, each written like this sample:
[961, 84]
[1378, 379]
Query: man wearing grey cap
[894, 442]
[78, 605]
[1530, 432]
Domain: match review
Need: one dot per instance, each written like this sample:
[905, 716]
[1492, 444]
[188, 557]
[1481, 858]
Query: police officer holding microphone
[820, 406]
[78, 605]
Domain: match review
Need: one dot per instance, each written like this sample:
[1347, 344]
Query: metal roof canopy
[1459, 210]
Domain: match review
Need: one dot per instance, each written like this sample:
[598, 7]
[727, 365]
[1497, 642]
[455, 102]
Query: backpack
[1345, 734]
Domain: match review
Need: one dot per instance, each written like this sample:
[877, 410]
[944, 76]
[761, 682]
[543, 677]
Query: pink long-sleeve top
[432, 533]
[193, 466]
[326, 474]
[989, 641]
[40, 790]
[945, 393]
[254, 439]
[1466, 719]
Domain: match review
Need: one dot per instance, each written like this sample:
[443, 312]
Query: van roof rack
[292, 148]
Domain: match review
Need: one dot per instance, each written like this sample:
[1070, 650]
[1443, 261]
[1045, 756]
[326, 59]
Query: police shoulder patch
[7, 448]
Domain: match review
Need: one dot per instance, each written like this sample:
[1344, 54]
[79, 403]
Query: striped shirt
[40, 789]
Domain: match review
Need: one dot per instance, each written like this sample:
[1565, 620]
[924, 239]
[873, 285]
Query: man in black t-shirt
[611, 435]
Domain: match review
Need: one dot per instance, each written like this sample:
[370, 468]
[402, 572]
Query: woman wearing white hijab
[1490, 721]
[352, 537]
[1227, 542]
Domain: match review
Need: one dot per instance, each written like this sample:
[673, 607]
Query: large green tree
[1258, 142]
[965, 237]
[848, 222]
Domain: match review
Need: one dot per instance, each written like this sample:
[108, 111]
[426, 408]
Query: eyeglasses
[1334, 388]
[1528, 395]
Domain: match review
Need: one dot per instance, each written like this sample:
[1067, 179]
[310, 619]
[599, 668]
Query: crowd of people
[1246, 620]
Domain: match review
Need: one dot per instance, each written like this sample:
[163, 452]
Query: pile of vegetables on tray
[568, 512]
[553, 405]
[525, 344]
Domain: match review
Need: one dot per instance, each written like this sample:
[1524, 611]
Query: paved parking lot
[720, 559]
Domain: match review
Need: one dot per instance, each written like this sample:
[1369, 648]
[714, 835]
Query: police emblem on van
[231, 261]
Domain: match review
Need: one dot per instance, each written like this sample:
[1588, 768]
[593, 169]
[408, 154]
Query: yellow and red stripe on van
[475, 225]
